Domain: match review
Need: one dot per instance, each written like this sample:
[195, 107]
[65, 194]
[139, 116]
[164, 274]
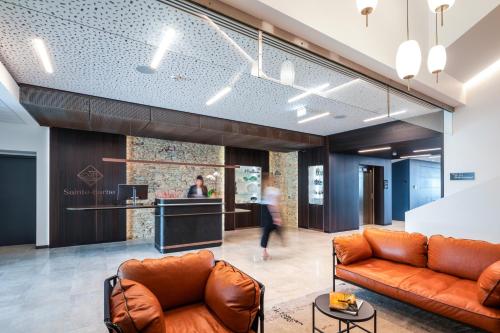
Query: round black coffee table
[366, 312]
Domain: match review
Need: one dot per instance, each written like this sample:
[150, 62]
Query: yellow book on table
[344, 302]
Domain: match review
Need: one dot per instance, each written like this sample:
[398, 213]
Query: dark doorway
[17, 199]
[371, 195]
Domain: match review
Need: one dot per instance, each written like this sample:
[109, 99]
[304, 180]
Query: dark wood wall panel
[242, 156]
[310, 216]
[78, 177]
[344, 191]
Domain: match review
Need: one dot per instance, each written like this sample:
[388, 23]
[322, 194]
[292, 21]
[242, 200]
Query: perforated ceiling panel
[96, 46]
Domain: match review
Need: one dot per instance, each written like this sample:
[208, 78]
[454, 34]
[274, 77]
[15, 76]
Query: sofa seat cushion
[384, 271]
[428, 283]
[194, 318]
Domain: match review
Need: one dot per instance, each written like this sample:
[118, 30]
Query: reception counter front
[185, 224]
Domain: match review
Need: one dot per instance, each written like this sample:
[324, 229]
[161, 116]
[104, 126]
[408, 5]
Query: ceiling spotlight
[384, 116]
[223, 92]
[287, 73]
[415, 156]
[43, 54]
[168, 37]
[425, 150]
[440, 6]
[366, 7]
[408, 57]
[321, 115]
[302, 111]
[309, 92]
[373, 149]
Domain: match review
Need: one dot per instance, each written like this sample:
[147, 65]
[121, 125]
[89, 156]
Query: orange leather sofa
[188, 294]
[455, 278]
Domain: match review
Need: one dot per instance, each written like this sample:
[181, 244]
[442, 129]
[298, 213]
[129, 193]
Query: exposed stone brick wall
[284, 166]
[174, 179]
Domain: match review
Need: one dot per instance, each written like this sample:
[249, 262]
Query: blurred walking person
[271, 216]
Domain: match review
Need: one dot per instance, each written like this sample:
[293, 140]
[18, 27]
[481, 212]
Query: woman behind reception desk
[199, 190]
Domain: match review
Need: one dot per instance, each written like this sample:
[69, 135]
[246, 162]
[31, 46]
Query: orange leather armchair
[191, 293]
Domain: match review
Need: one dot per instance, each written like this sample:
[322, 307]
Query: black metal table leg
[314, 324]
[375, 322]
[348, 327]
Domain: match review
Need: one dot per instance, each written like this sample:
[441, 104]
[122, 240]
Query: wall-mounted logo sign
[462, 176]
[90, 175]
[168, 150]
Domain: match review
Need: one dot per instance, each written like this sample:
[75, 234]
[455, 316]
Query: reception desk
[185, 224]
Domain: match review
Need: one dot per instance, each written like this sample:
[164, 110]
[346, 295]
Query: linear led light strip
[483, 75]
[309, 92]
[321, 115]
[425, 150]
[168, 37]
[43, 54]
[384, 116]
[414, 156]
[223, 92]
[329, 91]
[373, 149]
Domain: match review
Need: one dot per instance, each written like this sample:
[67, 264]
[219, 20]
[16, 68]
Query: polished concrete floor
[61, 289]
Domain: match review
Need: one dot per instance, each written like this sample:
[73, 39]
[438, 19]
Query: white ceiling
[97, 45]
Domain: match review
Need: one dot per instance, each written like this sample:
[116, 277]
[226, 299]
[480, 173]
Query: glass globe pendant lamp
[436, 60]
[408, 57]
[366, 7]
[440, 6]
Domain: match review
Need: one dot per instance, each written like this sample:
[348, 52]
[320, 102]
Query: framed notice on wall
[316, 185]
[248, 184]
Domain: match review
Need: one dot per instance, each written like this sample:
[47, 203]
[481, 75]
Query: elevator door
[366, 195]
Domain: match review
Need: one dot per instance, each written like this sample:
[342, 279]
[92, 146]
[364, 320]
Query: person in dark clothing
[199, 190]
[271, 216]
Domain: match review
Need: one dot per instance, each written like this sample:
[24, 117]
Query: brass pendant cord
[437, 73]
[407, 31]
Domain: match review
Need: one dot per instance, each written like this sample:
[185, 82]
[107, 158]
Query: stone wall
[173, 180]
[284, 166]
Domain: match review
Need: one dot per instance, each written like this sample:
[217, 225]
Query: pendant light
[287, 73]
[436, 61]
[366, 7]
[408, 57]
[440, 6]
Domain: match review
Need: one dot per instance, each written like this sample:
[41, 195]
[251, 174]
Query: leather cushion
[489, 286]
[175, 281]
[194, 318]
[461, 257]
[352, 248]
[135, 309]
[398, 246]
[233, 296]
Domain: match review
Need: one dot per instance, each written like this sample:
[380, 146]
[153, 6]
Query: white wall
[32, 139]
[470, 209]
[475, 141]
[471, 214]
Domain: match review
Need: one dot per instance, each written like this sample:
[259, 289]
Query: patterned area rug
[392, 316]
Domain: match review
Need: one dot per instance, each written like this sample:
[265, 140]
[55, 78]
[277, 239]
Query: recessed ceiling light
[302, 111]
[223, 92]
[384, 116]
[168, 37]
[424, 150]
[483, 75]
[309, 92]
[414, 156]
[373, 149]
[435, 156]
[43, 54]
[145, 69]
[321, 115]
[340, 116]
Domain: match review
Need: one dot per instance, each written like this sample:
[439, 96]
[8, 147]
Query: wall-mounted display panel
[248, 181]
[316, 185]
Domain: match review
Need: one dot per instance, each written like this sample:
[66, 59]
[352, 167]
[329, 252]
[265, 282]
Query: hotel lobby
[249, 166]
